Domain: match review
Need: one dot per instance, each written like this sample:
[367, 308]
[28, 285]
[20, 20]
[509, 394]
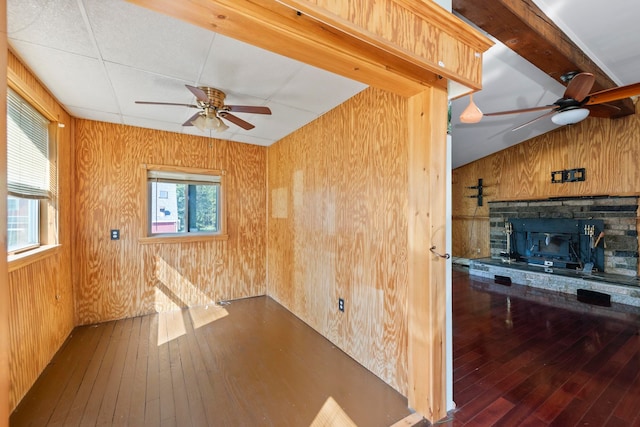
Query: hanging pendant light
[472, 113]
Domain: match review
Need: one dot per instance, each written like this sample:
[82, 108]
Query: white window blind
[171, 176]
[27, 150]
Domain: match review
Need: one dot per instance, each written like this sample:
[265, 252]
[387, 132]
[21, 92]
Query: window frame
[48, 207]
[145, 233]
[38, 224]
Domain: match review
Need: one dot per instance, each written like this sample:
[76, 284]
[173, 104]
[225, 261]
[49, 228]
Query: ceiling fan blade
[614, 94]
[199, 93]
[190, 119]
[237, 120]
[523, 110]
[602, 110]
[579, 86]
[248, 109]
[166, 103]
[550, 113]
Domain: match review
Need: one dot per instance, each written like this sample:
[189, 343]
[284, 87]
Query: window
[184, 202]
[23, 220]
[28, 175]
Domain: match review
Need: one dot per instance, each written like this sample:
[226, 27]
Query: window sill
[15, 262]
[182, 239]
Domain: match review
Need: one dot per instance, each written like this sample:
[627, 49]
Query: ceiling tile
[250, 139]
[99, 116]
[57, 24]
[152, 124]
[137, 37]
[282, 122]
[236, 67]
[76, 81]
[132, 85]
[316, 90]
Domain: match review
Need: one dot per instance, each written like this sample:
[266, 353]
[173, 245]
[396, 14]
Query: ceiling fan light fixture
[571, 116]
[199, 122]
[472, 113]
[209, 121]
[222, 127]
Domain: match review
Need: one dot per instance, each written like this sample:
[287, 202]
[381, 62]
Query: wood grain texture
[249, 363]
[427, 223]
[40, 293]
[526, 30]
[470, 234]
[345, 232]
[392, 45]
[609, 150]
[5, 348]
[124, 278]
[421, 32]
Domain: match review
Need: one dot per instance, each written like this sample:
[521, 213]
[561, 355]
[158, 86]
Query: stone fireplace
[599, 232]
[557, 242]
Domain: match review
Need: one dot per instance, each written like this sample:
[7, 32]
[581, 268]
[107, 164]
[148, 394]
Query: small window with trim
[31, 177]
[184, 202]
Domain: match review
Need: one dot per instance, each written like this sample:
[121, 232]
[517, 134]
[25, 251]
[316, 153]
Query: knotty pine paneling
[609, 150]
[40, 293]
[337, 191]
[124, 278]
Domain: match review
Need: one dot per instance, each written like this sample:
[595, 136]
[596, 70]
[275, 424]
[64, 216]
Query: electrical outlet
[115, 234]
[341, 304]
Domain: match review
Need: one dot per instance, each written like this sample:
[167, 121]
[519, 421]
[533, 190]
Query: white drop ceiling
[99, 56]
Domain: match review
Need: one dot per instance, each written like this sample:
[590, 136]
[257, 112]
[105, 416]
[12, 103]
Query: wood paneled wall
[337, 191]
[609, 150]
[5, 349]
[40, 293]
[123, 278]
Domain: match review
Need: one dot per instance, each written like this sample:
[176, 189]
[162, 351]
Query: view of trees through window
[182, 202]
[197, 205]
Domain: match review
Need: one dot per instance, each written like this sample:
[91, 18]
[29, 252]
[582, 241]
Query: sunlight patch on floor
[176, 292]
[203, 315]
[170, 326]
[332, 415]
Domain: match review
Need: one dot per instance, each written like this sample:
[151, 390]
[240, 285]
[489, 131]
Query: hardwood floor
[523, 357]
[249, 363]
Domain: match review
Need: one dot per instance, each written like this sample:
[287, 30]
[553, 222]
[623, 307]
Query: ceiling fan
[575, 105]
[211, 103]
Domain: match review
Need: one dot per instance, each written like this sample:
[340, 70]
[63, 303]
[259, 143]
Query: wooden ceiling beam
[525, 29]
[440, 46]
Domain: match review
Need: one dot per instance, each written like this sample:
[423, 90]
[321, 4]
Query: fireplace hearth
[550, 244]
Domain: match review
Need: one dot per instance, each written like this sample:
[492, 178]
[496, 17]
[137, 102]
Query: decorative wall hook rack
[478, 195]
